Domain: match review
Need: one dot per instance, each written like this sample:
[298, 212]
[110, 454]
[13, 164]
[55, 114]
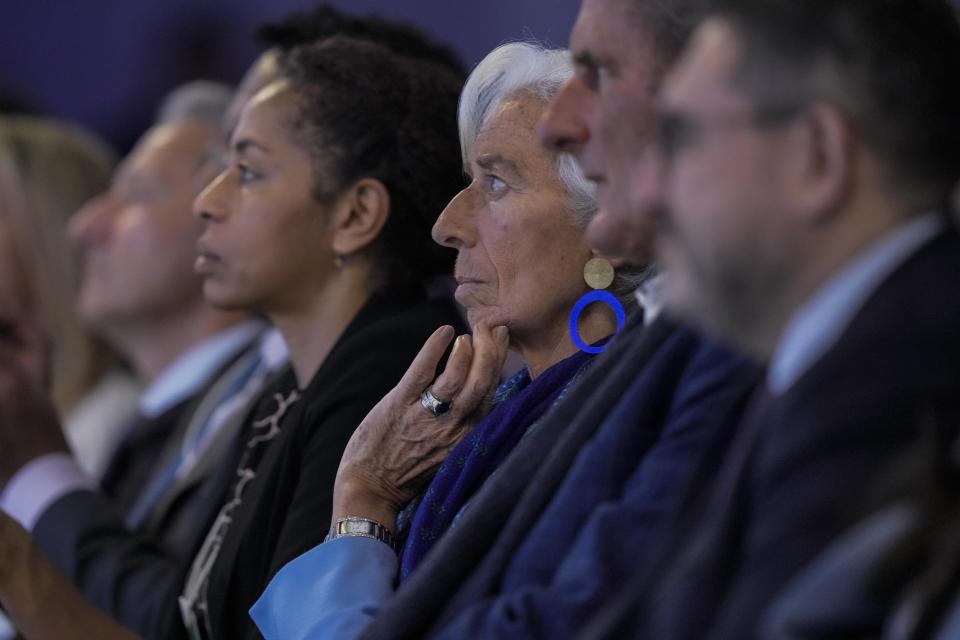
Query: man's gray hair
[198, 100]
[527, 68]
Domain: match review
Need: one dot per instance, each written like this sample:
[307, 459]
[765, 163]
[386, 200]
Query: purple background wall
[106, 63]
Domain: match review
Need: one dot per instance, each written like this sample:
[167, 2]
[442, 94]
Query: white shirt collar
[192, 369]
[273, 349]
[815, 327]
[650, 298]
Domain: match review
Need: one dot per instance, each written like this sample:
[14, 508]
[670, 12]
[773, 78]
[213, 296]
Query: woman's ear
[360, 215]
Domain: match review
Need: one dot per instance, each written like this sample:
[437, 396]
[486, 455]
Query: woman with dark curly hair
[320, 221]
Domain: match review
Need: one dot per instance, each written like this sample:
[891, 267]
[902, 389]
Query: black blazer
[801, 459]
[286, 509]
[131, 466]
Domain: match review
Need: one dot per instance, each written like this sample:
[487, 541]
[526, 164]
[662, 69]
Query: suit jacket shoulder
[793, 488]
[133, 576]
[537, 570]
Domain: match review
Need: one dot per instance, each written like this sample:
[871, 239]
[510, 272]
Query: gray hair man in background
[199, 367]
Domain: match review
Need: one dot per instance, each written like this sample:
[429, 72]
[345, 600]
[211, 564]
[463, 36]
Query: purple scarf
[471, 462]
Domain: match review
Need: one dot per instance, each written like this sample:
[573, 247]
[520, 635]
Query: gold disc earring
[598, 274]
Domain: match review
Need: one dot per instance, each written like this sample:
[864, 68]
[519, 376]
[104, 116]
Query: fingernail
[456, 345]
[501, 333]
[446, 331]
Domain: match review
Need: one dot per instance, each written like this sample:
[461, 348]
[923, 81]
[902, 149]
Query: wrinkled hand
[29, 427]
[399, 444]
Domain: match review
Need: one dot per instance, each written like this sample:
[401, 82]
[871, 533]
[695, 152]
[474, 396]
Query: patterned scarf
[518, 404]
[193, 602]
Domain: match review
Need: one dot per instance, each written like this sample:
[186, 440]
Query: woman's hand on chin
[400, 444]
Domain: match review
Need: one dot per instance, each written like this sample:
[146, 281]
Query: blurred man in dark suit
[139, 291]
[806, 155]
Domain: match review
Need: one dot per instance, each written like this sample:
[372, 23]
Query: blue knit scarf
[517, 405]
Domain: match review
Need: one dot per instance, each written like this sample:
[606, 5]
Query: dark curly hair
[325, 21]
[364, 112]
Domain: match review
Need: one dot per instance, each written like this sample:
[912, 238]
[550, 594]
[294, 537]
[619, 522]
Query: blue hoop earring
[599, 274]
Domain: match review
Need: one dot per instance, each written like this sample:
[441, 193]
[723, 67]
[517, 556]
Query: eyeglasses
[676, 132]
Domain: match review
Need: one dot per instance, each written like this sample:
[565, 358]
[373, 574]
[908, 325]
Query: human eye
[595, 71]
[589, 73]
[495, 184]
[605, 73]
[245, 173]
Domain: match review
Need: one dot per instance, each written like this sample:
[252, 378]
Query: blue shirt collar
[192, 369]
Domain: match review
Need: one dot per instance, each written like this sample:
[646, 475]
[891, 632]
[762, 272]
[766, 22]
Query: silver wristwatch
[361, 527]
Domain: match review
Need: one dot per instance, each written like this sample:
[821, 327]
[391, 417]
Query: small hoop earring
[598, 274]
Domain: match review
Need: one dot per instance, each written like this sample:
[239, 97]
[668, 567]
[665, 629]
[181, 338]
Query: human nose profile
[562, 127]
[91, 224]
[454, 228]
[208, 206]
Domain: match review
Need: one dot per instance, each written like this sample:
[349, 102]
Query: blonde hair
[48, 170]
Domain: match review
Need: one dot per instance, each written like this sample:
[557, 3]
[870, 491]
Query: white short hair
[515, 68]
[524, 67]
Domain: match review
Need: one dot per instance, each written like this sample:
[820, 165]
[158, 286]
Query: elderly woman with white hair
[524, 272]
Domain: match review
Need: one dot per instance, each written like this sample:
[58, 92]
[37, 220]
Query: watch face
[363, 528]
[358, 526]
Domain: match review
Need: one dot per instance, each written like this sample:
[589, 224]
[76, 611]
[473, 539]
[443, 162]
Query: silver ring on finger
[436, 407]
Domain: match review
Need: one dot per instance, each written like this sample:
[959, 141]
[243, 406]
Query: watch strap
[353, 526]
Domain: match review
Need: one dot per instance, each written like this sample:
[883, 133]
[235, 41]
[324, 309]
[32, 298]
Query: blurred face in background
[48, 170]
[733, 234]
[137, 240]
[604, 117]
